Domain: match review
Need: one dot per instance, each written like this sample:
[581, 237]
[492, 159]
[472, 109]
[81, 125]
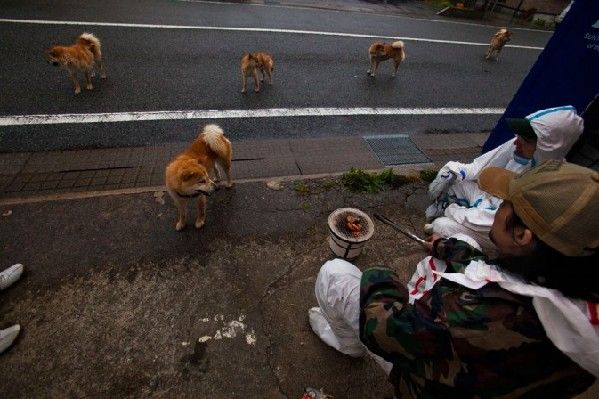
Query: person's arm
[457, 254]
[392, 328]
[499, 157]
[456, 171]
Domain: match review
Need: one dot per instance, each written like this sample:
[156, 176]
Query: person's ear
[523, 236]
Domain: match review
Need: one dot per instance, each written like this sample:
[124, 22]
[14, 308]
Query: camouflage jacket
[456, 342]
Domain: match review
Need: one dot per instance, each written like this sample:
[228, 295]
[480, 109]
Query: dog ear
[187, 175]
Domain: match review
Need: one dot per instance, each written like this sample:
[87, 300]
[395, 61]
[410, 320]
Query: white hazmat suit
[464, 208]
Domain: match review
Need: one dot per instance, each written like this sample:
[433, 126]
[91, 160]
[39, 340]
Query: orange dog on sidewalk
[499, 39]
[188, 175]
[379, 52]
[256, 65]
[83, 56]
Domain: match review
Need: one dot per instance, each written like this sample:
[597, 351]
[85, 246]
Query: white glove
[442, 182]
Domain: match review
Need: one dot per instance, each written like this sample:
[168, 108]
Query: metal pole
[516, 10]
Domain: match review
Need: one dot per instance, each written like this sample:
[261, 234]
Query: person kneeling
[523, 324]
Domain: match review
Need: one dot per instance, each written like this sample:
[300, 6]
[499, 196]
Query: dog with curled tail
[379, 52]
[83, 56]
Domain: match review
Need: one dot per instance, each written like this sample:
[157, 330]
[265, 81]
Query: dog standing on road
[83, 56]
[499, 39]
[256, 65]
[379, 52]
[188, 175]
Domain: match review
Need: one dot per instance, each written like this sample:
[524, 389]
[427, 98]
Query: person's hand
[442, 182]
[428, 242]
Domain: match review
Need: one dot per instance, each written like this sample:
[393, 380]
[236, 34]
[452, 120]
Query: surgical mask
[521, 160]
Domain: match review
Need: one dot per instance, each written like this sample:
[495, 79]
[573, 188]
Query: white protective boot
[8, 336]
[10, 275]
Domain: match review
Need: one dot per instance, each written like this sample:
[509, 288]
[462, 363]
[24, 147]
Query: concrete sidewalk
[43, 174]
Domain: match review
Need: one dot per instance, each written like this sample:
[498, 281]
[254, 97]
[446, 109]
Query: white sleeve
[499, 157]
[477, 219]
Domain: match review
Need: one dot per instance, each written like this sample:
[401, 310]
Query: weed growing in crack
[301, 188]
[358, 180]
[428, 175]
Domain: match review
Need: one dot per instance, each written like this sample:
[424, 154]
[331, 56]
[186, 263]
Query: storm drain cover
[395, 149]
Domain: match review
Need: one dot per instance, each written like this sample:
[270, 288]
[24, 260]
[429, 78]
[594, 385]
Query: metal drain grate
[395, 150]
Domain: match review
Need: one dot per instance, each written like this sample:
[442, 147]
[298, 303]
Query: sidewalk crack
[294, 158]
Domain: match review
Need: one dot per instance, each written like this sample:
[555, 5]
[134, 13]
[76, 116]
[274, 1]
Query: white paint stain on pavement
[230, 329]
[111, 117]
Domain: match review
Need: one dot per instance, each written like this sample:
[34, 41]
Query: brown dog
[379, 52]
[188, 175]
[499, 39]
[83, 56]
[253, 64]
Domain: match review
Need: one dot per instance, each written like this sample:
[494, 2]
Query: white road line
[263, 30]
[111, 117]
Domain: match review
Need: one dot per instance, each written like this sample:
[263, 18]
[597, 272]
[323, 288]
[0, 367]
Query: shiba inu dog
[84, 56]
[256, 65]
[499, 39]
[188, 175]
[379, 52]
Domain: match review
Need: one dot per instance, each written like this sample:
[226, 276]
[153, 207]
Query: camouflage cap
[558, 201]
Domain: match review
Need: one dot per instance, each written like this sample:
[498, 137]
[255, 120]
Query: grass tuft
[359, 181]
[428, 175]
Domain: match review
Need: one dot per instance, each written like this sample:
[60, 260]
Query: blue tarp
[566, 72]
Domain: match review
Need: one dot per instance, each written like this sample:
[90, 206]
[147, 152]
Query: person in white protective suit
[461, 207]
[525, 324]
[7, 278]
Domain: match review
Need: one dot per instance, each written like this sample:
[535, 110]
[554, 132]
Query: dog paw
[243, 91]
[103, 76]
[199, 224]
[228, 185]
[77, 91]
[180, 226]
[89, 87]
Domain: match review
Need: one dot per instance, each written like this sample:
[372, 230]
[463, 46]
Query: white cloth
[557, 130]
[337, 319]
[571, 324]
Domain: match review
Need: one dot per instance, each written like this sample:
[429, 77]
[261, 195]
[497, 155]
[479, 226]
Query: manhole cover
[395, 149]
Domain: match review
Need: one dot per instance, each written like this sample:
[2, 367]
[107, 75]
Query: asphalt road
[157, 69]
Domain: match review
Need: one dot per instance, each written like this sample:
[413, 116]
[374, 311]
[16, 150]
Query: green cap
[521, 127]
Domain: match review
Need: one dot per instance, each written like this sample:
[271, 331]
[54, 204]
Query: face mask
[521, 160]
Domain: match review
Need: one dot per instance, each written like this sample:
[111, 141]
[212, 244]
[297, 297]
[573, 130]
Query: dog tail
[91, 42]
[215, 138]
[397, 44]
[400, 46]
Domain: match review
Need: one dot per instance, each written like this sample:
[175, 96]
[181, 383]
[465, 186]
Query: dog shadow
[382, 83]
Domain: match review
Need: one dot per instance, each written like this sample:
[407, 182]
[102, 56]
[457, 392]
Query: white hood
[557, 130]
